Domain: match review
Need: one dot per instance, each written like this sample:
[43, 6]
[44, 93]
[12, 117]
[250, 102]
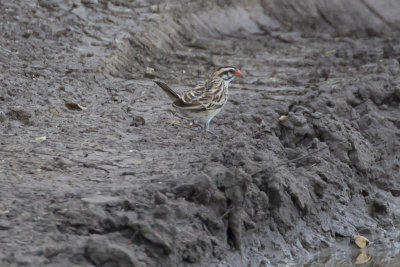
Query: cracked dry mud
[95, 170]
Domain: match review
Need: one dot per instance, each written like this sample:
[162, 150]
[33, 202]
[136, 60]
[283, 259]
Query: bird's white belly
[201, 116]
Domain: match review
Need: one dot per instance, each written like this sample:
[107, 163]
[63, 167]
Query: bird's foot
[211, 132]
[199, 125]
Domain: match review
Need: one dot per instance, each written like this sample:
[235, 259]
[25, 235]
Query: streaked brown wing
[189, 101]
[194, 107]
[200, 86]
[203, 96]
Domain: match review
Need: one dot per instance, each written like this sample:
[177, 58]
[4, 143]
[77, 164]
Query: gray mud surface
[95, 171]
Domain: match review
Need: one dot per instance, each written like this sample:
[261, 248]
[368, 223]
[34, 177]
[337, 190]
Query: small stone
[2, 116]
[5, 225]
[388, 50]
[26, 34]
[137, 121]
[160, 198]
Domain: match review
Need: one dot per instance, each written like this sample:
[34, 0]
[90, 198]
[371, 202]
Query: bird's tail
[168, 90]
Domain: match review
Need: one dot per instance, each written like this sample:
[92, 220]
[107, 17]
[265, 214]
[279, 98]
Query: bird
[206, 100]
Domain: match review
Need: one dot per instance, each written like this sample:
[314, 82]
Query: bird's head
[227, 73]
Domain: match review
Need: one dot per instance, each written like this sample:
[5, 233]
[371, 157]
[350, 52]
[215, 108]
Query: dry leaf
[283, 117]
[176, 122]
[363, 258]
[4, 212]
[74, 106]
[361, 241]
[330, 52]
[149, 70]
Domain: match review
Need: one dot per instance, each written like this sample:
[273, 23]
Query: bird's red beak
[238, 73]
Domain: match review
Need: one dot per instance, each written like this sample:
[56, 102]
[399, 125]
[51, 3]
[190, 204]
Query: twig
[5, 50]
[226, 213]
[292, 160]
[306, 155]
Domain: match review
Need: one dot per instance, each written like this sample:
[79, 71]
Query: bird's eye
[228, 74]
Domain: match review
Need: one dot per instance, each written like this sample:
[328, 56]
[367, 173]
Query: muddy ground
[95, 170]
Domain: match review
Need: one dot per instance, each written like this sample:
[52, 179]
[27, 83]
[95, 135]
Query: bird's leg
[208, 129]
[201, 126]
